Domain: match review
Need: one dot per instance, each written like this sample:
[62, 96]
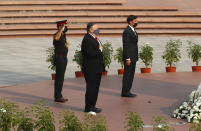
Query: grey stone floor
[22, 60]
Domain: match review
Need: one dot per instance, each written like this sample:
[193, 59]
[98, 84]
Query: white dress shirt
[98, 41]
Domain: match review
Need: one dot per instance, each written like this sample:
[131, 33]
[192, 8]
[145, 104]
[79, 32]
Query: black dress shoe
[62, 100]
[96, 110]
[128, 95]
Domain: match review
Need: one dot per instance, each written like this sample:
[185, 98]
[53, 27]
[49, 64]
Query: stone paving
[22, 60]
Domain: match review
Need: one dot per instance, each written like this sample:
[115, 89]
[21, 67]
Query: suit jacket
[130, 44]
[92, 56]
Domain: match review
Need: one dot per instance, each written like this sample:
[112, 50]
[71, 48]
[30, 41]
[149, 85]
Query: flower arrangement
[191, 109]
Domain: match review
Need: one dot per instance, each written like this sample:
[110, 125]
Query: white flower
[160, 126]
[189, 119]
[3, 110]
[196, 108]
[176, 111]
[185, 104]
[185, 111]
[181, 107]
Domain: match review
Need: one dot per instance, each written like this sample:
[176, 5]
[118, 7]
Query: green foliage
[118, 56]
[160, 124]
[8, 115]
[50, 58]
[94, 123]
[78, 57]
[172, 53]
[44, 117]
[69, 122]
[194, 52]
[146, 55]
[107, 54]
[25, 120]
[195, 127]
[134, 122]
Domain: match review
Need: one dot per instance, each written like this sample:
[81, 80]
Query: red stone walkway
[165, 91]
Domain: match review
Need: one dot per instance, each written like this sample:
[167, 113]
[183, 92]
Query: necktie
[135, 32]
[96, 38]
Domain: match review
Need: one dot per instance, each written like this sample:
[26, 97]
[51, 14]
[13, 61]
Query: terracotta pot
[53, 76]
[120, 71]
[196, 68]
[145, 70]
[104, 73]
[79, 74]
[170, 69]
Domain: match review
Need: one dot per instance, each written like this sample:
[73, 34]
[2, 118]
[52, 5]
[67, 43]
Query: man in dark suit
[130, 55]
[93, 66]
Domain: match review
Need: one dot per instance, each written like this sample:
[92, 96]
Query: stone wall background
[23, 59]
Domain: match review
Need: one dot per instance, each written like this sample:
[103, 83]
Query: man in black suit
[130, 55]
[93, 66]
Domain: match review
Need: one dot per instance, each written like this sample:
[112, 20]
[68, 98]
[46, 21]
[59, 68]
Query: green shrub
[8, 115]
[69, 122]
[44, 117]
[194, 52]
[134, 122]
[118, 56]
[172, 54]
[78, 57]
[25, 120]
[94, 123]
[146, 55]
[195, 127]
[50, 58]
[107, 54]
[160, 124]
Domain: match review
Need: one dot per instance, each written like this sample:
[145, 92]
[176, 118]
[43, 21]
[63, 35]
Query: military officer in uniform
[61, 45]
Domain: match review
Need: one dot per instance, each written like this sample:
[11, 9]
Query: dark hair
[131, 18]
[89, 25]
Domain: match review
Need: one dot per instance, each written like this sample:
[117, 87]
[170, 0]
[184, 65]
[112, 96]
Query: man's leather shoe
[128, 95]
[96, 110]
[62, 100]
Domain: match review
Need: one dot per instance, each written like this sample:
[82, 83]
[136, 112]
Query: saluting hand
[62, 28]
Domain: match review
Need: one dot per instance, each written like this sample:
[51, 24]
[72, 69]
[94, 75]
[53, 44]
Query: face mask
[65, 29]
[97, 31]
[135, 25]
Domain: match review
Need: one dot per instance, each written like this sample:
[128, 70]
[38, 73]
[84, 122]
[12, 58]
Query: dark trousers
[129, 72]
[92, 88]
[60, 63]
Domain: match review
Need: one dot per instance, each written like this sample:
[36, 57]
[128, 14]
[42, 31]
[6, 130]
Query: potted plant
[78, 59]
[50, 59]
[194, 52]
[118, 57]
[107, 55]
[146, 55]
[172, 54]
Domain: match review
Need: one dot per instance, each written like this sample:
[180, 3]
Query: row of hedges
[39, 117]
